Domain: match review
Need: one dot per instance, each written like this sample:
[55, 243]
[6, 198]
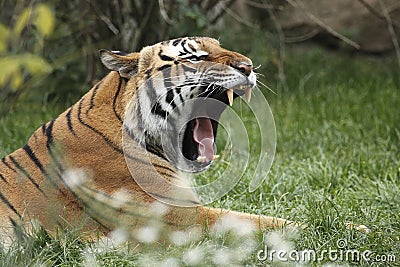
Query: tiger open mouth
[199, 139]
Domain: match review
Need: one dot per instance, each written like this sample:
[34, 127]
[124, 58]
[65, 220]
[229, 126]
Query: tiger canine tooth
[229, 92]
[248, 94]
[201, 159]
[215, 157]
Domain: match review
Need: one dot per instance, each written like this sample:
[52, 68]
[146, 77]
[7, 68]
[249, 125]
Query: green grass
[337, 161]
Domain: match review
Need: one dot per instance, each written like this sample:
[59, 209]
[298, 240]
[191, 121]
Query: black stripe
[91, 105]
[37, 162]
[164, 57]
[106, 139]
[18, 229]
[183, 43]
[49, 143]
[178, 92]
[9, 205]
[197, 58]
[8, 165]
[184, 48]
[49, 134]
[163, 67]
[13, 222]
[43, 128]
[22, 169]
[148, 72]
[2, 178]
[33, 157]
[176, 41]
[158, 110]
[168, 86]
[35, 136]
[170, 98]
[167, 81]
[154, 150]
[69, 122]
[188, 69]
[115, 99]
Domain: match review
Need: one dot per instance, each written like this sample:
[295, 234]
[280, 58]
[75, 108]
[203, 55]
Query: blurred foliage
[20, 60]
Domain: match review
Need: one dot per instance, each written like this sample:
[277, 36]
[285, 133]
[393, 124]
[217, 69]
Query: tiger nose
[244, 68]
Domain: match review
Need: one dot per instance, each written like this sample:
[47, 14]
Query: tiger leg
[211, 216]
[207, 216]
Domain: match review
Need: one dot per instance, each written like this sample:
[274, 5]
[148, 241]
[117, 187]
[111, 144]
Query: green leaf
[4, 33]
[22, 21]
[9, 66]
[44, 19]
[16, 80]
[35, 64]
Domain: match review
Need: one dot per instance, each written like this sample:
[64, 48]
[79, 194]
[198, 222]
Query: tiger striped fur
[86, 140]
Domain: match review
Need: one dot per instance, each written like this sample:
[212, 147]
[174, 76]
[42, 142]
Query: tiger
[74, 168]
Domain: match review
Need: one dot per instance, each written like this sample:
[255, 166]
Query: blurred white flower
[179, 238]
[147, 260]
[193, 256]
[74, 177]
[120, 197]
[244, 248]
[89, 259]
[194, 233]
[103, 245]
[277, 242]
[232, 223]
[222, 257]
[170, 262]
[158, 209]
[118, 236]
[147, 234]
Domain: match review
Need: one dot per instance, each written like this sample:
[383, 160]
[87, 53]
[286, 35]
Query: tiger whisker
[256, 68]
[267, 87]
[259, 74]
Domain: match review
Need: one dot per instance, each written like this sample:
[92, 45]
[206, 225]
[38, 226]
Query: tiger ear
[126, 65]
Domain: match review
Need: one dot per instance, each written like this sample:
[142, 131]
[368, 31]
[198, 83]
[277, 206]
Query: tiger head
[176, 93]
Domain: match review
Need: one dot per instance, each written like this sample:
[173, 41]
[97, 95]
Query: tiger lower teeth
[248, 94]
[201, 159]
[229, 92]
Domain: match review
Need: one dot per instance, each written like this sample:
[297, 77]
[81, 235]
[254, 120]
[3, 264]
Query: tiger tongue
[203, 135]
